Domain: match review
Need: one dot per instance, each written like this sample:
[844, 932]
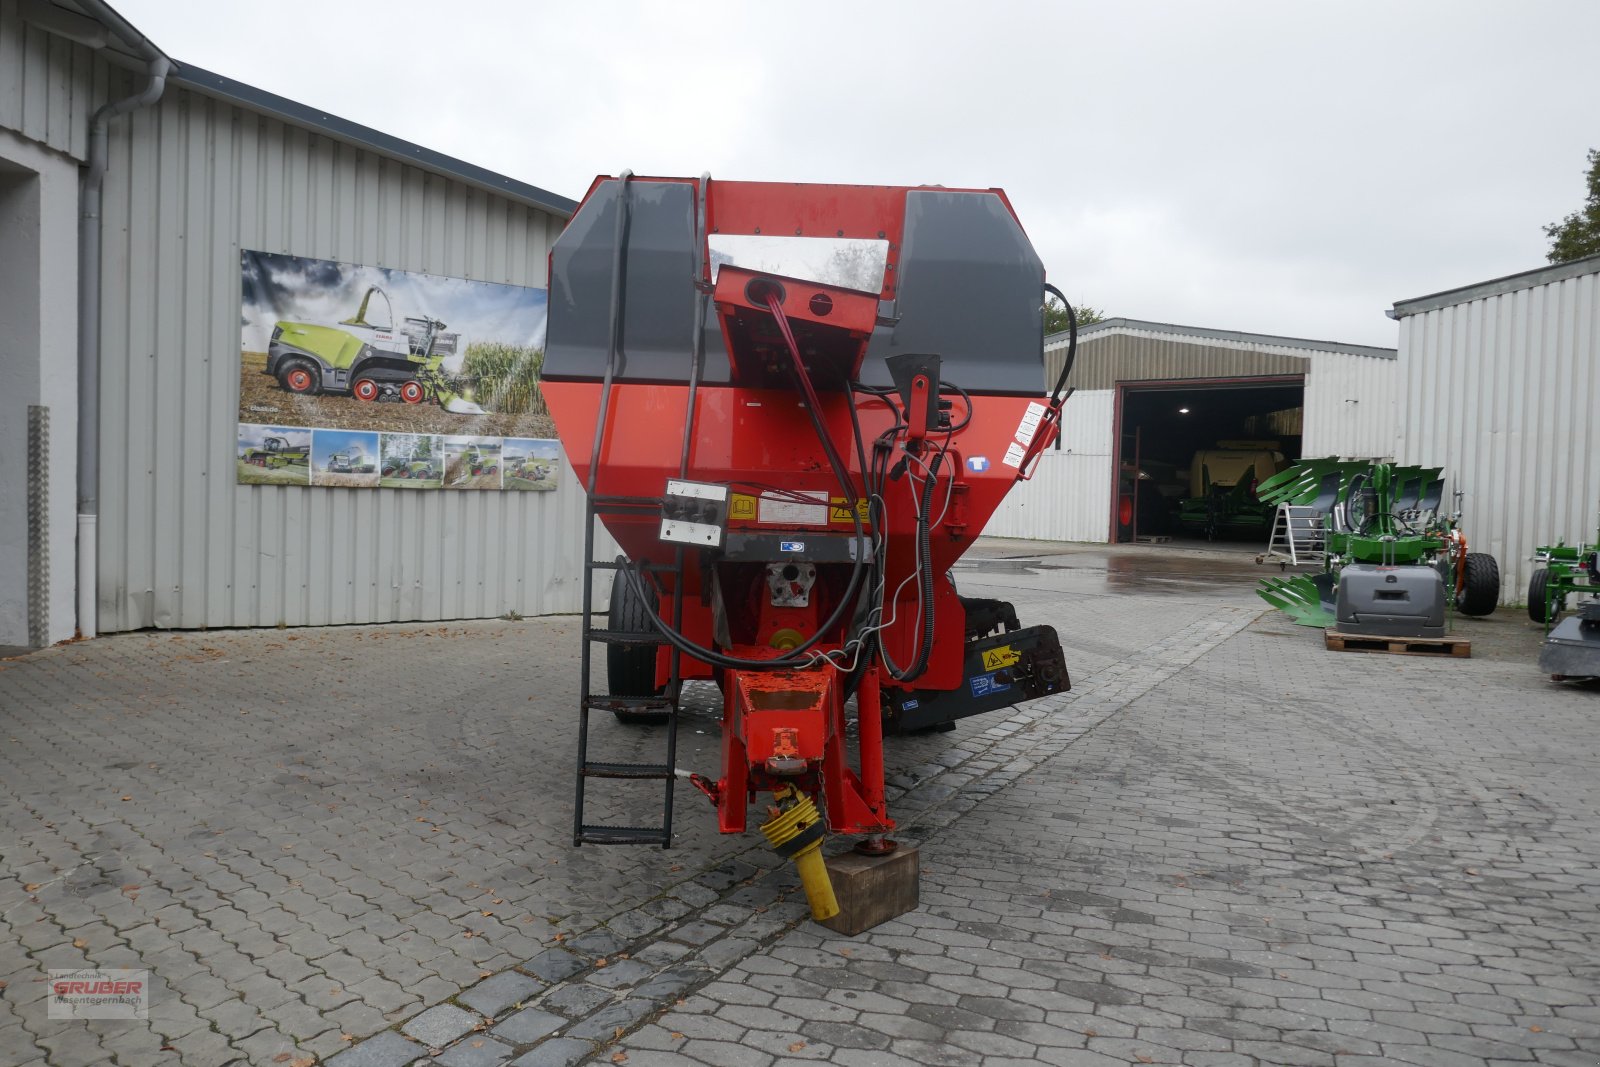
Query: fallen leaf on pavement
[676, 1036]
[79, 942]
[282, 1057]
[619, 1057]
[797, 1046]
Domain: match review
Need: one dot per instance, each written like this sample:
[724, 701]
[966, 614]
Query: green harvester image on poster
[336, 346]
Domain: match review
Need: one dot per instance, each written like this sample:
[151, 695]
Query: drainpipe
[89, 340]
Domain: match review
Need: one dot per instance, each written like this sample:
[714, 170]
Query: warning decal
[839, 510]
[1030, 423]
[1004, 656]
[742, 507]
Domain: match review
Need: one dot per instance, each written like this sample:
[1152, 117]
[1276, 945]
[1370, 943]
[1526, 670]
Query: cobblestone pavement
[1226, 845]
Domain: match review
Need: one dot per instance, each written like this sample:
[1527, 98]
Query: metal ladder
[1298, 533]
[599, 834]
[599, 504]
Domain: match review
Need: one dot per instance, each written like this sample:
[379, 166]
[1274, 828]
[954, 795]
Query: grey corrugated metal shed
[1527, 279]
[215, 85]
[1234, 336]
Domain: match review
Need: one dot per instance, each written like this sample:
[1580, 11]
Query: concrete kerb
[598, 985]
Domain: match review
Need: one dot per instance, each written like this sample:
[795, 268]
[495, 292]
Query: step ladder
[1299, 534]
[584, 832]
[596, 506]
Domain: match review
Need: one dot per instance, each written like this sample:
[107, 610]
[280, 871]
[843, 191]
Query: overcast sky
[1282, 167]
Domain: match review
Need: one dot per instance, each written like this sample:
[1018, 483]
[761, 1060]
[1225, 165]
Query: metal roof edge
[1510, 283]
[1109, 325]
[216, 85]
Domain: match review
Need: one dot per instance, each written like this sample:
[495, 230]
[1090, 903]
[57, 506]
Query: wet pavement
[1226, 845]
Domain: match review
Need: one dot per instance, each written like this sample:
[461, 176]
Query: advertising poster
[367, 377]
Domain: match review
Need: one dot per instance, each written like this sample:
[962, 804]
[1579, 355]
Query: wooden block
[873, 889]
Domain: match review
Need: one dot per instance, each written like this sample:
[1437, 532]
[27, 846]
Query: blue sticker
[978, 463]
[791, 546]
[909, 704]
[984, 684]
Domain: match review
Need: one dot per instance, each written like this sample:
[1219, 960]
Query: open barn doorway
[1189, 452]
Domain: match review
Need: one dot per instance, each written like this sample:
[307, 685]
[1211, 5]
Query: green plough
[1375, 515]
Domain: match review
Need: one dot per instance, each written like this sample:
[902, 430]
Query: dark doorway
[1188, 440]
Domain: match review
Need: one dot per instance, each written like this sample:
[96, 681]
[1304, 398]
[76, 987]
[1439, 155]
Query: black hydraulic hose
[1072, 344]
[794, 656]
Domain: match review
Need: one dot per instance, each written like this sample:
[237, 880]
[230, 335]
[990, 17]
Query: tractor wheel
[1539, 595]
[300, 376]
[365, 389]
[1482, 590]
[411, 392]
[631, 669]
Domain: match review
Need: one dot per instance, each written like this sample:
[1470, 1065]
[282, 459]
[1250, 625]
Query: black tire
[289, 377]
[1482, 587]
[1538, 594]
[631, 669]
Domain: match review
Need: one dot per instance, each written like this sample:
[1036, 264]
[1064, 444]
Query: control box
[694, 513]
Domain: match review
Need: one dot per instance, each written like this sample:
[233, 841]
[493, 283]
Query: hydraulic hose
[1072, 344]
[796, 655]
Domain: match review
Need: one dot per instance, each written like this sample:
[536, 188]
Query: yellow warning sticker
[743, 507]
[840, 510]
[1004, 656]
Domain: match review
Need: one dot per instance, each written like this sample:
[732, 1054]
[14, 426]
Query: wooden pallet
[1152, 539]
[1398, 646]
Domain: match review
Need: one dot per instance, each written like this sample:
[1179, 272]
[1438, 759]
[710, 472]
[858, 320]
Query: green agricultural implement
[338, 463]
[1565, 571]
[368, 360]
[526, 467]
[277, 452]
[1224, 489]
[479, 462]
[1394, 562]
[417, 469]
[1572, 648]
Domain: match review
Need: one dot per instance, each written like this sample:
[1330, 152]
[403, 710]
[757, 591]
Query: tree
[1578, 234]
[1055, 316]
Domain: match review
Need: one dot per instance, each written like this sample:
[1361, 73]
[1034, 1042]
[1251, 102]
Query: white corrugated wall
[1351, 403]
[1504, 392]
[1069, 497]
[191, 182]
[49, 86]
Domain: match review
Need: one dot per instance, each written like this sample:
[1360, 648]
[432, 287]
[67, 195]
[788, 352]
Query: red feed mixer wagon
[794, 407]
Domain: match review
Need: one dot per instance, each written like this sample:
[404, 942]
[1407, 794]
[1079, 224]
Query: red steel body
[760, 440]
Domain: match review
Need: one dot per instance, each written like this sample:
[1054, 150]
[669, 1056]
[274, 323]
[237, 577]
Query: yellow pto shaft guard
[796, 833]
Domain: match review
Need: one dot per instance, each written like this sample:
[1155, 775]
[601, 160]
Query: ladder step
[610, 703]
[600, 501]
[619, 637]
[624, 835]
[627, 770]
[654, 568]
